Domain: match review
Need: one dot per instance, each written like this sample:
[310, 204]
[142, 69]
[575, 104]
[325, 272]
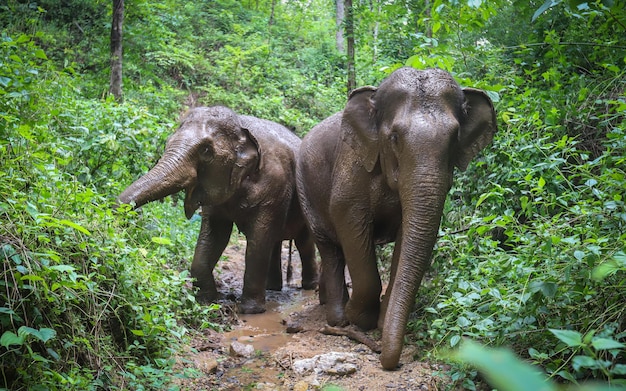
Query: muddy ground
[275, 363]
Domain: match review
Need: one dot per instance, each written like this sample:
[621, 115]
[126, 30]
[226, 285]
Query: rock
[266, 386]
[208, 366]
[293, 327]
[333, 363]
[237, 349]
[301, 386]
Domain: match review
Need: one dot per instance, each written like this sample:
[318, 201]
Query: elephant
[239, 170]
[379, 172]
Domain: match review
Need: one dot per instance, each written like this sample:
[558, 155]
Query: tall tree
[349, 25]
[339, 21]
[377, 10]
[115, 87]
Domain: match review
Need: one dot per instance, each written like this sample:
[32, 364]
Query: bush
[90, 298]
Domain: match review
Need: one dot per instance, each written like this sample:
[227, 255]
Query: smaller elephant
[378, 172]
[240, 170]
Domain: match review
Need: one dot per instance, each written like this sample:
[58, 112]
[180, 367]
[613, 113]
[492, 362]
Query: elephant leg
[333, 290]
[275, 274]
[212, 240]
[261, 242]
[363, 307]
[392, 278]
[306, 249]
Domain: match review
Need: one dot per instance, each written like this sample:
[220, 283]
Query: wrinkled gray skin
[379, 172]
[240, 170]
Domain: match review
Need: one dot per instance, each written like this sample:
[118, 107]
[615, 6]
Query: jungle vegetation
[532, 248]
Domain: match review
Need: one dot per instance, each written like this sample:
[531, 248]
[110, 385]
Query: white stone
[333, 363]
[238, 349]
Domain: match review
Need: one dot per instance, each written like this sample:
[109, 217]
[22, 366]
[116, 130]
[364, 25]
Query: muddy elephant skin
[240, 170]
[379, 172]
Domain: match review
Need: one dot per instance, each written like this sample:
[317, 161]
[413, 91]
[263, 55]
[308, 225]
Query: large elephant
[240, 170]
[379, 172]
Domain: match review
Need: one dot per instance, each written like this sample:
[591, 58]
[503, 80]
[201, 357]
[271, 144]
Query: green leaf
[10, 338]
[482, 198]
[5, 310]
[617, 263]
[606, 343]
[462, 321]
[25, 330]
[502, 368]
[568, 376]
[569, 337]
[139, 333]
[619, 369]
[53, 354]
[547, 288]
[159, 240]
[43, 334]
[4, 81]
[39, 53]
[547, 5]
[541, 183]
[75, 226]
[22, 38]
[31, 277]
[63, 268]
[579, 362]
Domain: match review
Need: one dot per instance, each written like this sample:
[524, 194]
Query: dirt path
[281, 360]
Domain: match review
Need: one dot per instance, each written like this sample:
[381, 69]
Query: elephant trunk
[170, 175]
[422, 205]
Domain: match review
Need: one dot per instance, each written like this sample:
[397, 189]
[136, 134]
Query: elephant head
[209, 156]
[413, 130]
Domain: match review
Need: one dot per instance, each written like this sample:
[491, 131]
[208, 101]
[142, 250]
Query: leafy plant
[507, 372]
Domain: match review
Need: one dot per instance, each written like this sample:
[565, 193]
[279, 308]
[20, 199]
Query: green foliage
[507, 372]
[532, 249]
[84, 293]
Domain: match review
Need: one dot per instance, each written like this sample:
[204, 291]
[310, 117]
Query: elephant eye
[393, 137]
[206, 152]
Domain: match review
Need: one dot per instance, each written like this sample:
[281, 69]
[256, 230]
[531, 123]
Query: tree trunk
[339, 22]
[115, 87]
[271, 22]
[429, 28]
[350, 37]
[376, 30]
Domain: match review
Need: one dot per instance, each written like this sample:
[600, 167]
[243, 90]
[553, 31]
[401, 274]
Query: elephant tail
[289, 265]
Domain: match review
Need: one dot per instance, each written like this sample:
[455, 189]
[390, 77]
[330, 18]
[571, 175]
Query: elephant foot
[207, 296]
[322, 296]
[364, 319]
[309, 285]
[251, 306]
[274, 281]
[310, 280]
[274, 286]
[335, 316]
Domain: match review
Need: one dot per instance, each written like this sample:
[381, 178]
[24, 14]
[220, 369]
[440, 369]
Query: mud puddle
[267, 332]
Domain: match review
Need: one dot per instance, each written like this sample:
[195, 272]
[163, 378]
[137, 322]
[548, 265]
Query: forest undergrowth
[532, 248]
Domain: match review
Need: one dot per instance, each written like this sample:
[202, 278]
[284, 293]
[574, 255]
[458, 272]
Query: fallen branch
[352, 334]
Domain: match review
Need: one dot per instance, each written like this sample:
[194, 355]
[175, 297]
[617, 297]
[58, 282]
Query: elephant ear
[247, 160]
[193, 200]
[478, 126]
[358, 126]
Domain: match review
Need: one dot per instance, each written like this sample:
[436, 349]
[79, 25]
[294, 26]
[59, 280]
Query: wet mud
[287, 332]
